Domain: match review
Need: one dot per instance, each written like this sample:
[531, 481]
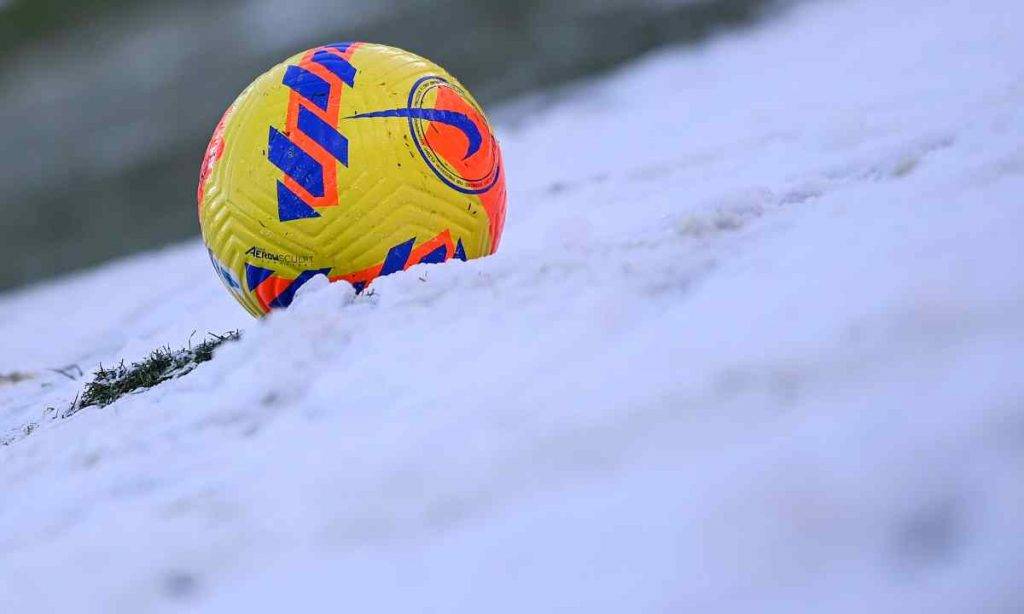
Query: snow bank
[752, 342]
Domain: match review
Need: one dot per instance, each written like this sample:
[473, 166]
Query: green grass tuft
[109, 385]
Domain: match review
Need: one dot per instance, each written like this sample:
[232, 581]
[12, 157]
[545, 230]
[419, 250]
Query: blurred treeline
[107, 105]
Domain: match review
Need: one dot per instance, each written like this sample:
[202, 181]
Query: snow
[753, 342]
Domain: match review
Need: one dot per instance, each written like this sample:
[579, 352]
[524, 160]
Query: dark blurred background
[107, 105]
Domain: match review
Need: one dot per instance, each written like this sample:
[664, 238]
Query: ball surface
[351, 161]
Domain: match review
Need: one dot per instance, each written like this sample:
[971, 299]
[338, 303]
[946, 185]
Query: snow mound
[753, 342]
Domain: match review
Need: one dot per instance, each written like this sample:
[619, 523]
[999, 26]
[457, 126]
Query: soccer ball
[351, 161]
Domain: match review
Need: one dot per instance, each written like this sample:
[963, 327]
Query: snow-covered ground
[754, 342]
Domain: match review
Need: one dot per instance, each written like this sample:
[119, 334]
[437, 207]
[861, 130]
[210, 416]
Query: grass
[14, 377]
[109, 385]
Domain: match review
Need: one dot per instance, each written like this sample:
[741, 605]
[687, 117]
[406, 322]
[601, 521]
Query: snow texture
[753, 342]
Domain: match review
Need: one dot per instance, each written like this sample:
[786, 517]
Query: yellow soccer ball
[351, 161]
